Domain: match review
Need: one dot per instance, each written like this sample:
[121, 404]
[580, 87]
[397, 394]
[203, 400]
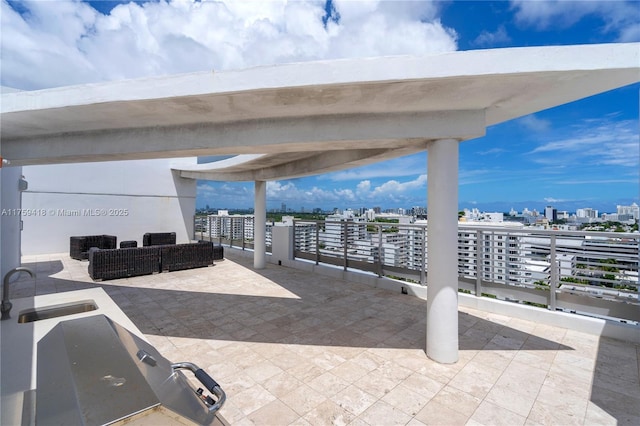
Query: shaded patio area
[290, 347]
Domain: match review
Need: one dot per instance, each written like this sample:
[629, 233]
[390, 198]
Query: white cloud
[363, 187]
[391, 191]
[393, 188]
[629, 34]
[619, 17]
[226, 194]
[492, 151]
[492, 39]
[542, 14]
[410, 165]
[289, 193]
[533, 123]
[62, 43]
[596, 181]
[595, 142]
[477, 176]
[553, 200]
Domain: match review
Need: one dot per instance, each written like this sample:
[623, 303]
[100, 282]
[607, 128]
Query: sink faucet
[6, 305]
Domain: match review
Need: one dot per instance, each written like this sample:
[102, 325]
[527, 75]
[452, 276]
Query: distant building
[419, 212]
[476, 215]
[587, 213]
[235, 227]
[305, 235]
[628, 212]
[370, 215]
[551, 214]
[493, 217]
[333, 235]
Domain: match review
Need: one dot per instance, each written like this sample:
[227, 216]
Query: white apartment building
[393, 248]
[629, 212]
[333, 237]
[588, 213]
[235, 227]
[500, 251]
[417, 247]
[305, 236]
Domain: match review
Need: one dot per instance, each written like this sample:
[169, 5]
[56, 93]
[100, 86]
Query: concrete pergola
[309, 118]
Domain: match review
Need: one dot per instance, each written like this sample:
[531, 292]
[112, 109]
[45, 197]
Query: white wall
[121, 198]
[9, 219]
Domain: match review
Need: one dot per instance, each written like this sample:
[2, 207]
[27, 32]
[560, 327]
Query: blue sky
[583, 154]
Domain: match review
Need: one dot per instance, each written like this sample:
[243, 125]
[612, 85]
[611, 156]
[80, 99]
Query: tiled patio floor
[290, 347]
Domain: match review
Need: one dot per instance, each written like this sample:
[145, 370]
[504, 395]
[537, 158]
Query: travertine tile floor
[295, 348]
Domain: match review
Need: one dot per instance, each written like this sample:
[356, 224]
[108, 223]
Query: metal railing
[589, 273]
[232, 231]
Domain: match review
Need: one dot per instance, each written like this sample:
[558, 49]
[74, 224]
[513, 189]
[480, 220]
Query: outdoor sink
[54, 311]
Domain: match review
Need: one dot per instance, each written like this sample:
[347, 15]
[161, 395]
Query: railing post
[553, 273]
[317, 242]
[479, 261]
[344, 230]
[209, 226]
[231, 231]
[243, 235]
[379, 250]
[423, 258]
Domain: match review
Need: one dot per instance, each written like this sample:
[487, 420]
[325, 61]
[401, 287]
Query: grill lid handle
[208, 382]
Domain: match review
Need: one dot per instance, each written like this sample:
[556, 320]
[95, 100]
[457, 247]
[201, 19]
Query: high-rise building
[587, 213]
[234, 226]
[551, 214]
[629, 212]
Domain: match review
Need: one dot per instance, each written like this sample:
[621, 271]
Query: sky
[582, 154]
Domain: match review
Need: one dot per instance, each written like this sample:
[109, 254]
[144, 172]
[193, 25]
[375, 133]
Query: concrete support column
[442, 250]
[260, 225]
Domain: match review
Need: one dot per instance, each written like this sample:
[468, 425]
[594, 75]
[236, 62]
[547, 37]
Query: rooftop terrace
[291, 347]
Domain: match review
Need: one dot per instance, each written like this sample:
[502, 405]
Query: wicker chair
[79, 246]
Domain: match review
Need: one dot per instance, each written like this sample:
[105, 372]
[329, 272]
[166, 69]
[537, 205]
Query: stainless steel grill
[92, 371]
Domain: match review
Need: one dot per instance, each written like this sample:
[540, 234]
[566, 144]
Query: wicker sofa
[79, 246]
[158, 238]
[128, 262]
[186, 256]
[109, 264]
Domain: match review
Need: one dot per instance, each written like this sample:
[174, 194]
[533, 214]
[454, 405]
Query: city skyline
[283, 208]
[583, 154]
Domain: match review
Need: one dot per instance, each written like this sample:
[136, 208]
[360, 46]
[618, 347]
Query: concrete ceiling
[307, 118]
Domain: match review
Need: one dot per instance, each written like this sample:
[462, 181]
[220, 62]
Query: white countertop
[18, 360]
